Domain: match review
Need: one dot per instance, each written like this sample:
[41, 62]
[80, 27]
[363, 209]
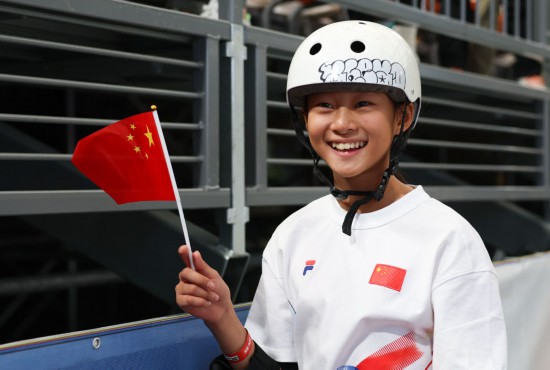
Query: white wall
[525, 293]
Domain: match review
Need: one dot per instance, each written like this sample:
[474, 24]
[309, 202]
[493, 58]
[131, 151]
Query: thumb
[200, 264]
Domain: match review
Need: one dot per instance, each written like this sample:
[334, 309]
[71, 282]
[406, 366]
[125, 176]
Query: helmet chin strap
[399, 143]
[377, 194]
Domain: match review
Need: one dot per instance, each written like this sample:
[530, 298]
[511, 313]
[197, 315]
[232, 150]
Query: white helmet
[354, 55]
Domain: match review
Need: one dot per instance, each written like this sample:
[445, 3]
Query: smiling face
[352, 132]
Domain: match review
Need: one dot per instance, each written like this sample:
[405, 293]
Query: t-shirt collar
[382, 216]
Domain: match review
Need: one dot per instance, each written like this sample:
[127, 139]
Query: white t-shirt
[412, 288]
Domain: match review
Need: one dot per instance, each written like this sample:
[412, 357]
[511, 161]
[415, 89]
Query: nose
[344, 121]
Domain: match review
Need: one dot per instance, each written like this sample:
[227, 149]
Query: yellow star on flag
[137, 149]
[132, 126]
[130, 137]
[149, 136]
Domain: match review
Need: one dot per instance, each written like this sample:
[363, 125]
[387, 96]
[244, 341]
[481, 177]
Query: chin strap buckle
[379, 194]
[338, 194]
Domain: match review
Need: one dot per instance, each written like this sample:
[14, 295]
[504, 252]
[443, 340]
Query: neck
[394, 191]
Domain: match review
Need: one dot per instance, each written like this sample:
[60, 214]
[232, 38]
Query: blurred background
[71, 259]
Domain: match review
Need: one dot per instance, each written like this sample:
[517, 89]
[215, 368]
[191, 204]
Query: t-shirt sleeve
[271, 320]
[469, 329]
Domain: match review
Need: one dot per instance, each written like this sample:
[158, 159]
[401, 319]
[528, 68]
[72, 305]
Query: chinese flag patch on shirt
[388, 276]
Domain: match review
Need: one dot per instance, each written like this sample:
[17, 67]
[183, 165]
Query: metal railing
[117, 64]
[487, 134]
[96, 62]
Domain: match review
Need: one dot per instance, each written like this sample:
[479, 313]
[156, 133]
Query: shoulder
[454, 244]
[309, 216]
[422, 214]
[300, 225]
[436, 217]
[461, 248]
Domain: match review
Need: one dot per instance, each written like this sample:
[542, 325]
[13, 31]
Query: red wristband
[243, 352]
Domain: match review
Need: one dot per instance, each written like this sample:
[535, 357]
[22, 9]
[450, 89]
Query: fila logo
[309, 266]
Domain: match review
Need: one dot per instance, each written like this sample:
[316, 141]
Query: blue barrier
[179, 342]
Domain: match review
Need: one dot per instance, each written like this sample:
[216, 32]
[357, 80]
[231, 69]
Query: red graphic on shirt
[388, 276]
[394, 356]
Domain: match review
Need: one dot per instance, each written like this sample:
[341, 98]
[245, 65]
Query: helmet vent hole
[357, 46]
[315, 49]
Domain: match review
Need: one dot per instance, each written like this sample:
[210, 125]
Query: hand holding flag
[129, 161]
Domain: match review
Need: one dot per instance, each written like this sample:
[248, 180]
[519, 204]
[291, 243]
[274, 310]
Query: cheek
[383, 126]
[315, 130]
[316, 138]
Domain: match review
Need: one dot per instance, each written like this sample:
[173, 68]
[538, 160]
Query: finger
[185, 254]
[192, 290]
[191, 280]
[187, 301]
[200, 264]
[192, 277]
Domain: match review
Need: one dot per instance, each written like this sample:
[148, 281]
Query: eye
[322, 105]
[362, 104]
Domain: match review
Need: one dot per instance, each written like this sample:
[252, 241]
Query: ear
[409, 112]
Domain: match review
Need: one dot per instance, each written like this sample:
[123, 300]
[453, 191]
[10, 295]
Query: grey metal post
[528, 20]
[256, 82]
[517, 19]
[238, 214]
[207, 80]
[540, 21]
[545, 145]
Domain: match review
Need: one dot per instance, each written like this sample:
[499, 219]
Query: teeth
[347, 146]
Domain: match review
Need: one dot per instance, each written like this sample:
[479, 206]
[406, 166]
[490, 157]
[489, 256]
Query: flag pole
[174, 186]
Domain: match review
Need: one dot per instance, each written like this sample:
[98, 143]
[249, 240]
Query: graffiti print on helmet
[365, 70]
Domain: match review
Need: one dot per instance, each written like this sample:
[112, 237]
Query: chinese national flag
[128, 160]
[388, 276]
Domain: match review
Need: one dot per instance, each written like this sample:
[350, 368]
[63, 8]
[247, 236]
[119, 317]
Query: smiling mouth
[348, 146]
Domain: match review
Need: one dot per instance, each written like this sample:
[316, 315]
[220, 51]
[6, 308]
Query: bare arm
[203, 294]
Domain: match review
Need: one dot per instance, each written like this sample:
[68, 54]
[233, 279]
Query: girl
[376, 275]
